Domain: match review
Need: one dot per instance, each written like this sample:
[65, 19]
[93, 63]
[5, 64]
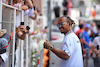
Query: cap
[4, 41]
[87, 25]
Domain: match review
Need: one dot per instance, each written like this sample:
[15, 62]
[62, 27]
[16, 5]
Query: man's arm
[59, 53]
[35, 17]
[21, 35]
[84, 42]
[29, 3]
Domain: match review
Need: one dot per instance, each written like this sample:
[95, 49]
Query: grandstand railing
[3, 24]
[8, 16]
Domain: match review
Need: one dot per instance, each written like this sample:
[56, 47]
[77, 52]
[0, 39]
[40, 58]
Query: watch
[50, 48]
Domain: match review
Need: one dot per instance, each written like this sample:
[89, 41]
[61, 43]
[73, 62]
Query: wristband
[32, 33]
[2, 29]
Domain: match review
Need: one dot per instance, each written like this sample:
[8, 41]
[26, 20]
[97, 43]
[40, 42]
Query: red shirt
[79, 31]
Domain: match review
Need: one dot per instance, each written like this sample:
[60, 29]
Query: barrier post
[0, 13]
[27, 45]
[13, 52]
[22, 43]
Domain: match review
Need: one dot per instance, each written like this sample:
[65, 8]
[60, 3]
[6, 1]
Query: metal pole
[27, 44]
[21, 55]
[13, 38]
[0, 13]
[49, 21]
[22, 43]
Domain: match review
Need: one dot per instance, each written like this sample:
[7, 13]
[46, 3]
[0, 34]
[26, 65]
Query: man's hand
[90, 45]
[34, 33]
[22, 28]
[21, 32]
[2, 32]
[35, 12]
[96, 51]
[47, 45]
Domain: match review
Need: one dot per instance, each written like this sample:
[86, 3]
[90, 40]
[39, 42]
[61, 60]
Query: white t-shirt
[71, 45]
[96, 41]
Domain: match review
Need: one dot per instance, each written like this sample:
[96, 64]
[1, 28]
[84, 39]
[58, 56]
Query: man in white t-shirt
[96, 40]
[96, 49]
[70, 53]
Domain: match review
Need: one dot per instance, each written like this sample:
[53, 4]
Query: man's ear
[69, 23]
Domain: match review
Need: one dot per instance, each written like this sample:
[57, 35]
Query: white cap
[4, 57]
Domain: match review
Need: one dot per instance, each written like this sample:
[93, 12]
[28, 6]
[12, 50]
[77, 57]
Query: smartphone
[46, 27]
[27, 27]
[97, 47]
[22, 23]
[34, 7]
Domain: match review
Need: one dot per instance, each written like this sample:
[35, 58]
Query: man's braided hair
[69, 19]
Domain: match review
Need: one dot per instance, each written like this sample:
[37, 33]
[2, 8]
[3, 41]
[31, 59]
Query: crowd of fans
[21, 30]
[87, 33]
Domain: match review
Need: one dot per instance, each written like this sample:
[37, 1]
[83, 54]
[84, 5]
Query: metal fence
[10, 18]
[21, 52]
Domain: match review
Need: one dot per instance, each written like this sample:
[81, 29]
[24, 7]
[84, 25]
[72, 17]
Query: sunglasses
[61, 24]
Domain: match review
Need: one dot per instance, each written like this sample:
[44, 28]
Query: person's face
[63, 25]
[87, 29]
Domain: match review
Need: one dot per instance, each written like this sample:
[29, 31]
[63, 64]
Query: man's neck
[68, 32]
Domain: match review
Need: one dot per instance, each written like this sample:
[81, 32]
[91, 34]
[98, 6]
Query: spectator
[27, 6]
[4, 41]
[21, 31]
[69, 6]
[76, 28]
[20, 4]
[86, 46]
[65, 9]
[94, 28]
[21, 34]
[96, 39]
[96, 48]
[79, 33]
[94, 31]
[57, 10]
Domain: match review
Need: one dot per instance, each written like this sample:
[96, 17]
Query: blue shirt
[86, 38]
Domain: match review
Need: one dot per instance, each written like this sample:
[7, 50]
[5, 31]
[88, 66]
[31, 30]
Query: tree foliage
[96, 1]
